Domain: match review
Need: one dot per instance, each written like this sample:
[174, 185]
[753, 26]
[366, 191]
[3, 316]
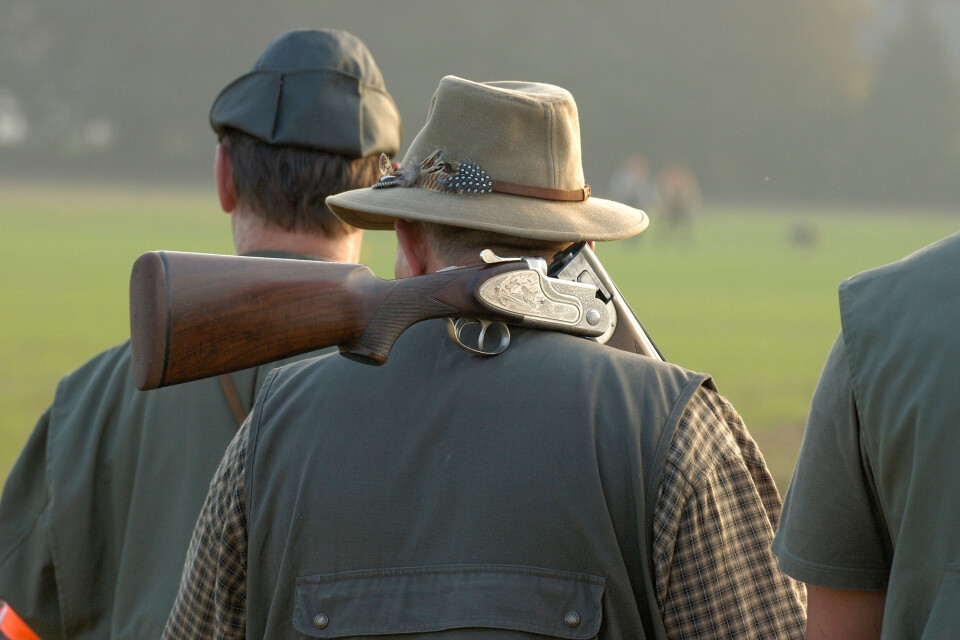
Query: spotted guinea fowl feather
[436, 174]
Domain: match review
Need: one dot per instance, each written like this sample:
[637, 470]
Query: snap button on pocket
[320, 621]
[572, 619]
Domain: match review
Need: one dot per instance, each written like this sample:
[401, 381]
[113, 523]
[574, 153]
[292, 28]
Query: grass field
[739, 300]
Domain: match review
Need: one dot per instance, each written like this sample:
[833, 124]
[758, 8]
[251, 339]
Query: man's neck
[253, 233]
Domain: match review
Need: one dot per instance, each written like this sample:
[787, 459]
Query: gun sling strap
[233, 398]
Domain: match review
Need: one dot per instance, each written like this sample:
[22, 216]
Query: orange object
[12, 627]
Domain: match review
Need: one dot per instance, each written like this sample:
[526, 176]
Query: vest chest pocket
[944, 617]
[507, 600]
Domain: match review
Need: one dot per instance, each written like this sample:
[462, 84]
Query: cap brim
[592, 219]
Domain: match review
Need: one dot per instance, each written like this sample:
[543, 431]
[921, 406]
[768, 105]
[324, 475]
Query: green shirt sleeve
[27, 577]
[832, 532]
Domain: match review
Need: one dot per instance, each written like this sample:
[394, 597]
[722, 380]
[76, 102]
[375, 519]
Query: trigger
[456, 329]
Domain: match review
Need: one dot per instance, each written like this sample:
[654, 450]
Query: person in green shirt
[97, 513]
[871, 518]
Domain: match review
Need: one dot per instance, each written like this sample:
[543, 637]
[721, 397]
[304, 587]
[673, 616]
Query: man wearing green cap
[97, 514]
[560, 489]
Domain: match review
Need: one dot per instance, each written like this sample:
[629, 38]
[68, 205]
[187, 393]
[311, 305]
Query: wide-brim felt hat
[314, 88]
[496, 156]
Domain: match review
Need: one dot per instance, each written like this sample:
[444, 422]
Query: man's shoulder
[549, 347]
[104, 386]
[287, 371]
[111, 364]
[941, 256]
[117, 355]
[594, 359]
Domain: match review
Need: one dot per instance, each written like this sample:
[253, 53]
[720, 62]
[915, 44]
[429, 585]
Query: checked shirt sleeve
[716, 513]
[212, 600]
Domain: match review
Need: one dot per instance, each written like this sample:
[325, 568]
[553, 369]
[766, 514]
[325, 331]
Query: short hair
[288, 185]
[460, 246]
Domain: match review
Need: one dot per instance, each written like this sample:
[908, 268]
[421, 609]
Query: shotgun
[195, 315]
[578, 262]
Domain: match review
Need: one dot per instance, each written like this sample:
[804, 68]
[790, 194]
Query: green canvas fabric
[832, 531]
[449, 493]
[98, 511]
[874, 502]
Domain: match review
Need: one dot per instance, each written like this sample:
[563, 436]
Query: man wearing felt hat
[97, 514]
[560, 489]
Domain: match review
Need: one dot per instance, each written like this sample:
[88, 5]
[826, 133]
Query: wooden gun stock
[225, 313]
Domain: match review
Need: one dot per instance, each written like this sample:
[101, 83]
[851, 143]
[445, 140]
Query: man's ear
[413, 249]
[223, 170]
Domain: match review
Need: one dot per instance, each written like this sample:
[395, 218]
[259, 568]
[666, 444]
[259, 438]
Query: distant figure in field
[803, 235]
[678, 196]
[632, 184]
[97, 513]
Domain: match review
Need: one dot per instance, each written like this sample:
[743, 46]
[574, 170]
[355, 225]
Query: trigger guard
[455, 327]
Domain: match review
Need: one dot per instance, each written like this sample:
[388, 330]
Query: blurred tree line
[762, 100]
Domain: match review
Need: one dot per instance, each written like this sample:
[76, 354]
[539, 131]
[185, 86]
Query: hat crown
[320, 50]
[516, 145]
[521, 132]
[319, 89]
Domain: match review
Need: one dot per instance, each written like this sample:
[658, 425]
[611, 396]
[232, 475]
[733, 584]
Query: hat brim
[592, 219]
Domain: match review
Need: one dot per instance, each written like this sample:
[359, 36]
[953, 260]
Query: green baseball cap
[313, 88]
